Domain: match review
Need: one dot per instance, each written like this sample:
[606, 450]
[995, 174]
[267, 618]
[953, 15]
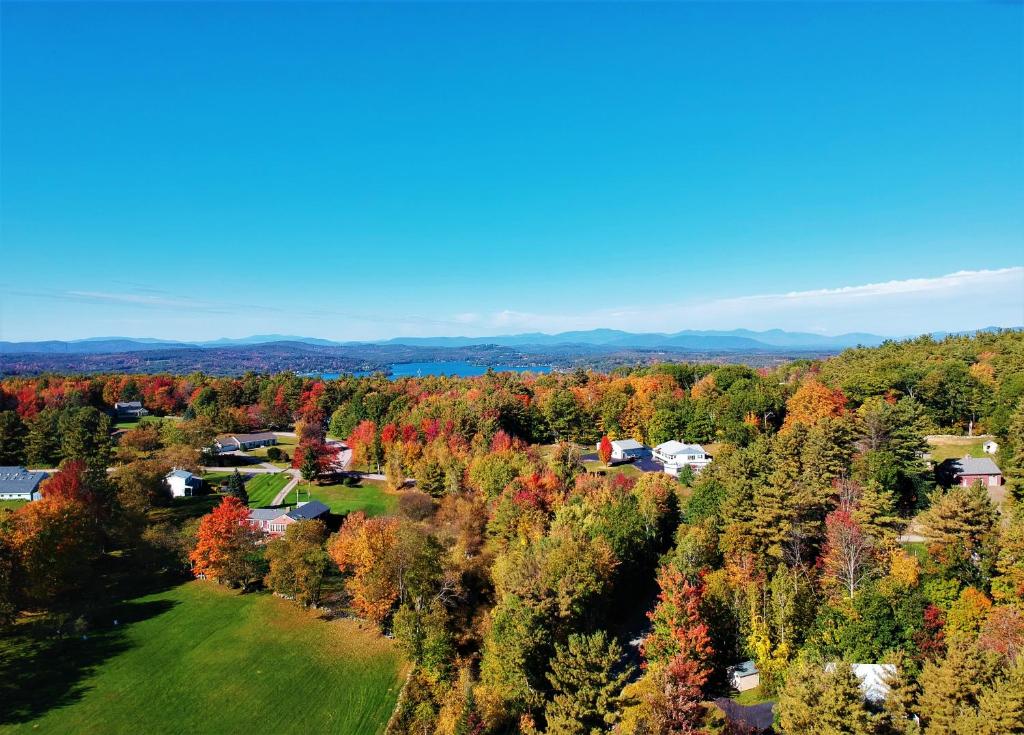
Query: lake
[457, 368]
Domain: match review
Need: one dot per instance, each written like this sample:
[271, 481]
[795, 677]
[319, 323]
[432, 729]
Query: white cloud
[956, 301]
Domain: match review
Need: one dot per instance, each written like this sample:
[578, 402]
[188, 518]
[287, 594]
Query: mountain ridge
[708, 339]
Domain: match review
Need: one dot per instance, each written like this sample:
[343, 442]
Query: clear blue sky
[359, 171]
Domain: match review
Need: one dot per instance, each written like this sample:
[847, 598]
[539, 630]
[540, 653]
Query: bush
[415, 505]
[274, 453]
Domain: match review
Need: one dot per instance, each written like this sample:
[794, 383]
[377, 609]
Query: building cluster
[669, 457]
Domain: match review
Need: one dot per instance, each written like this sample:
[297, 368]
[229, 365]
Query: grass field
[942, 448]
[284, 443]
[11, 504]
[369, 497]
[263, 488]
[132, 423]
[201, 658]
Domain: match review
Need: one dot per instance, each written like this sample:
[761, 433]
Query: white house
[990, 447]
[874, 679]
[183, 484]
[676, 455]
[624, 450]
[17, 483]
[744, 676]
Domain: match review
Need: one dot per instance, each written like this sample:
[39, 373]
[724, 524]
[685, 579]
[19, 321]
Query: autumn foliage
[224, 543]
[813, 402]
[358, 549]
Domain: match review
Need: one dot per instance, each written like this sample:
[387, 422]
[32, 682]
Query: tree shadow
[40, 672]
[946, 472]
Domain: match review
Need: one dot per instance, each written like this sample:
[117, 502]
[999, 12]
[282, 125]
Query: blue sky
[353, 171]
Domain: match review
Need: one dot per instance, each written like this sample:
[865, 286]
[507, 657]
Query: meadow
[201, 658]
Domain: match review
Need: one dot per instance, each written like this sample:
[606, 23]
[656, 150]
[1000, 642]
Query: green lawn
[11, 504]
[263, 488]
[369, 497]
[133, 423]
[752, 696]
[942, 448]
[285, 443]
[213, 479]
[184, 509]
[201, 658]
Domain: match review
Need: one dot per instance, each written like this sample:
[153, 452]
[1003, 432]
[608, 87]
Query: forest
[535, 588]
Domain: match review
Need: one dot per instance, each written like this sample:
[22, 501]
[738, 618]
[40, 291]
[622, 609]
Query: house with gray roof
[130, 409]
[275, 521]
[971, 470]
[236, 442]
[17, 483]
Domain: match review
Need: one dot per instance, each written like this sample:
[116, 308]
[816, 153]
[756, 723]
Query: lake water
[457, 368]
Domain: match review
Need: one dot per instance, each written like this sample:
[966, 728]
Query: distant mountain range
[595, 340]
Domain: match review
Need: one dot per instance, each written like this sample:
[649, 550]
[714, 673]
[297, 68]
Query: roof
[976, 466]
[20, 480]
[128, 404]
[873, 679]
[745, 668]
[265, 514]
[674, 447]
[184, 474]
[306, 511]
[627, 444]
[261, 436]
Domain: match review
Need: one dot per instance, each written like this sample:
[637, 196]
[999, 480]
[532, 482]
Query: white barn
[17, 483]
[675, 455]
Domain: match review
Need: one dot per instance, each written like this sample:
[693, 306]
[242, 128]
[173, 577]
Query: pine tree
[236, 488]
[901, 702]
[586, 679]
[953, 686]
[842, 709]
[1001, 709]
[875, 512]
[42, 445]
[1013, 453]
[962, 516]
[12, 439]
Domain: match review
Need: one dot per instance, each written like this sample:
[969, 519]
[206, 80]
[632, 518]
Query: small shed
[744, 676]
[990, 447]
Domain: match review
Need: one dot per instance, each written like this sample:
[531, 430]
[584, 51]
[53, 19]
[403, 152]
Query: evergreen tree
[875, 512]
[953, 686]
[586, 680]
[1001, 708]
[901, 702]
[236, 488]
[962, 516]
[42, 445]
[12, 438]
[1012, 453]
[430, 477]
